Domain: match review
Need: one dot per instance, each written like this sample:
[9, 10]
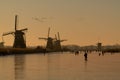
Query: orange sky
[81, 22]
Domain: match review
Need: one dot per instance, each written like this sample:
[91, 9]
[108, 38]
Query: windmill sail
[24, 29]
[48, 31]
[15, 22]
[58, 36]
[4, 34]
[42, 38]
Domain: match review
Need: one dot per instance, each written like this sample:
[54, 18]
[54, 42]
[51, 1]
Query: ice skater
[85, 55]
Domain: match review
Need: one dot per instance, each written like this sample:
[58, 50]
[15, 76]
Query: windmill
[49, 45]
[19, 36]
[57, 42]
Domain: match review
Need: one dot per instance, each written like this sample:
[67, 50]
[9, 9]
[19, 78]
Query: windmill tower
[49, 45]
[57, 43]
[19, 36]
[99, 46]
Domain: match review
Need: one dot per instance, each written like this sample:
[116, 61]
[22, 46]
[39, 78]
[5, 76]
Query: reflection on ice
[60, 66]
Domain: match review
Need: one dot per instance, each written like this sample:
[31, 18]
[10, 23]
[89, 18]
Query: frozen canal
[60, 66]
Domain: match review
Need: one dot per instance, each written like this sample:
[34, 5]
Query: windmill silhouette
[49, 45]
[57, 43]
[19, 36]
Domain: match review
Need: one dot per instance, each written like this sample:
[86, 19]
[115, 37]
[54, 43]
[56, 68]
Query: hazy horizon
[81, 22]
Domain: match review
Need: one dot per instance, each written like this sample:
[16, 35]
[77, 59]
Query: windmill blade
[62, 40]
[4, 34]
[55, 37]
[24, 29]
[43, 38]
[58, 36]
[48, 31]
[16, 22]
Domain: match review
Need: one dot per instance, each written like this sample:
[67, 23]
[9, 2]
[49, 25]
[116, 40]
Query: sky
[81, 22]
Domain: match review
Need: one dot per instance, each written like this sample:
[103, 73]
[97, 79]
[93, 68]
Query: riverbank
[12, 51]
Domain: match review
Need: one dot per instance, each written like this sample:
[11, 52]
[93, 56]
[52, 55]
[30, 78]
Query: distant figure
[99, 54]
[102, 53]
[85, 55]
[76, 52]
